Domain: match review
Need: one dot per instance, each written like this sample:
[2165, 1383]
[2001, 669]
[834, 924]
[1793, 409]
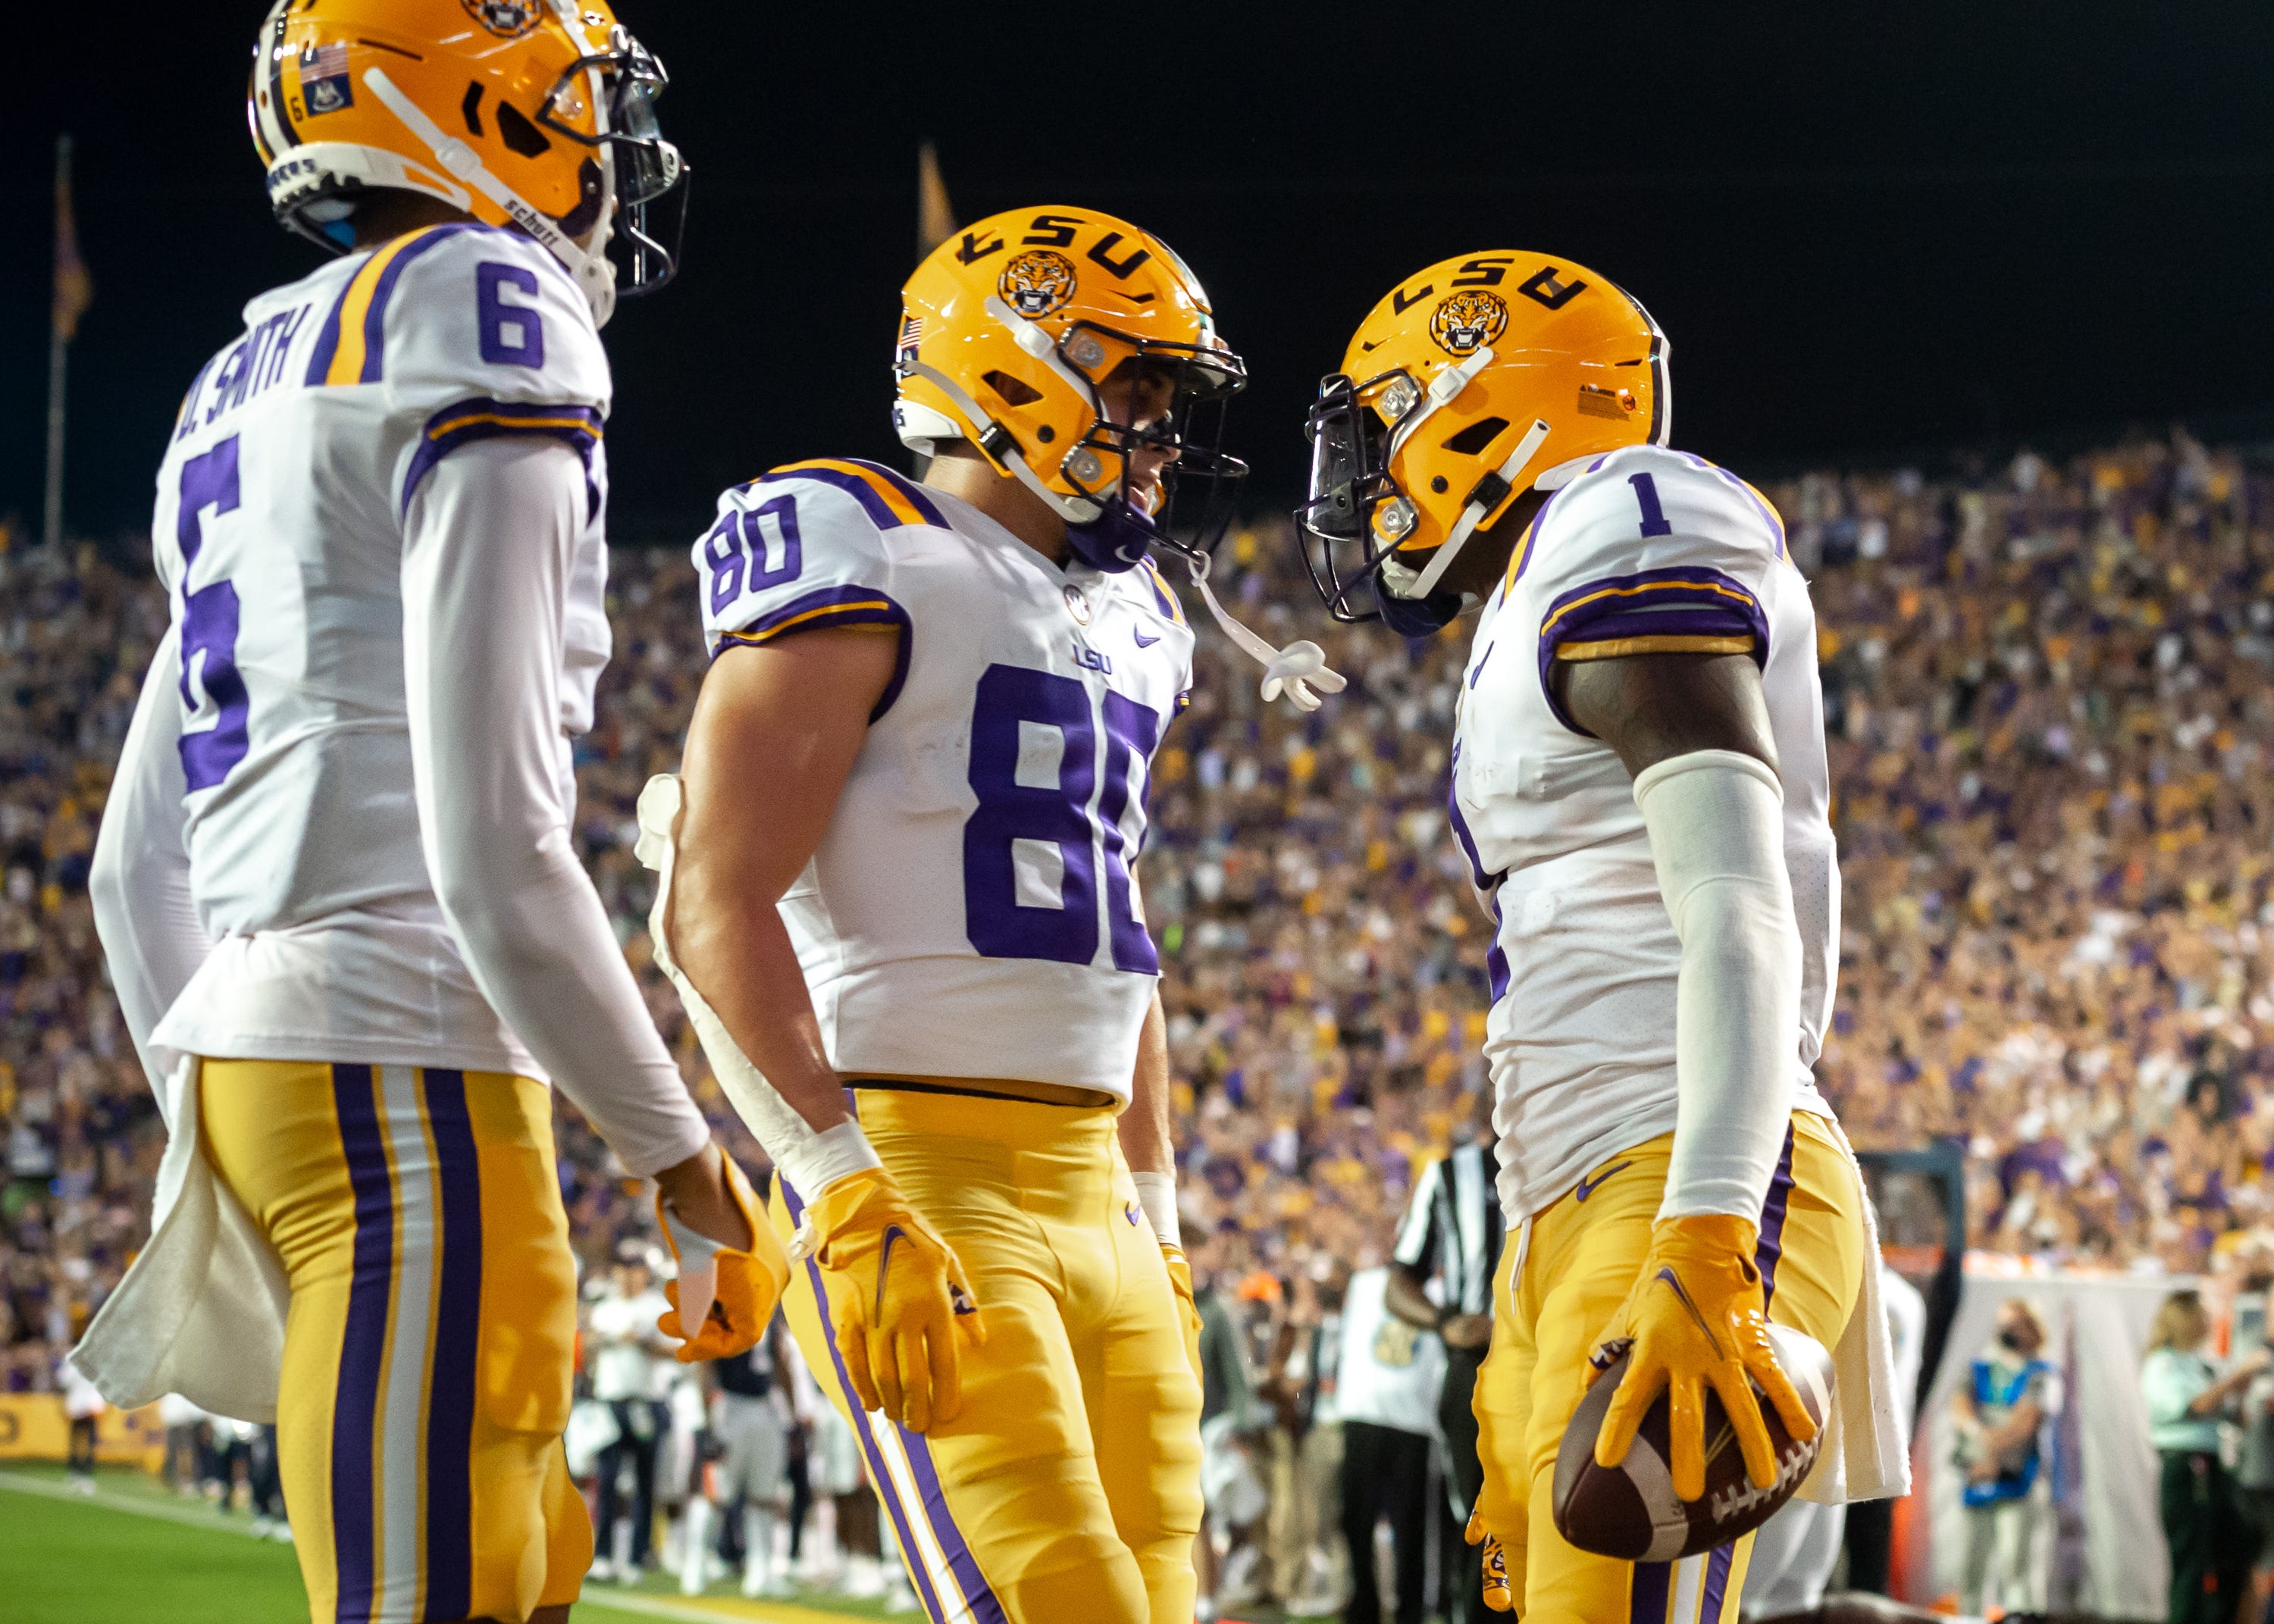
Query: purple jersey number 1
[1010, 699]
[208, 630]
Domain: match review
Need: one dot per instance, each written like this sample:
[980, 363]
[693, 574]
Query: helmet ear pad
[1416, 617]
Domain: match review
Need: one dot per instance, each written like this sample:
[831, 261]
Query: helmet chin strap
[592, 267]
[1478, 506]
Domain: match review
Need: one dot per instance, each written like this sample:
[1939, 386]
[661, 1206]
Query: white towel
[201, 1310]
[1865, 1456]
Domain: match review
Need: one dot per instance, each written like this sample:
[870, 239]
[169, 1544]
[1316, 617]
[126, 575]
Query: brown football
[1629, 1511]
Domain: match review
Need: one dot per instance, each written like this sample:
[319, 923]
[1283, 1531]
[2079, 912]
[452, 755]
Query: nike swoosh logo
[1143, 642]
[1588, 1186]
[1682, 1295]
[892, 1232]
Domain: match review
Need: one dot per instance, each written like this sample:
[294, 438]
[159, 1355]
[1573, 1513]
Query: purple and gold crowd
[2050, 697]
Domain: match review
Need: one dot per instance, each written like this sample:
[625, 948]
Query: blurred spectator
[2203, 1525]
[2002, 1411]
[1441, 1280]
[626, 1355]
[1387, 1380]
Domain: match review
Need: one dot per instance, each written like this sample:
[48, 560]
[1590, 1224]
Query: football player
[334, 874]
[1639, 789]
[903, 910]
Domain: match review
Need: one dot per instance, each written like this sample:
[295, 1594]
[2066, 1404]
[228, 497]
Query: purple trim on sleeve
[833, 605]
[579, 427]
[1693, 602]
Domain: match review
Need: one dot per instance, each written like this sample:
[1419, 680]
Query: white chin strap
[590, 267]
[1474, 514]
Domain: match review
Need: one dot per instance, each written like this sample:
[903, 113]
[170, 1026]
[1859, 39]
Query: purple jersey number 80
[209, 628]
[1074, 815]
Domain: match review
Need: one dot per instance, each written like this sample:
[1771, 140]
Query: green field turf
[135, 1555]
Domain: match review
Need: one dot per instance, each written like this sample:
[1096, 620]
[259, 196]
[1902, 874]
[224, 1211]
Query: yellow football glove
[729, 1293]
[1188, 1314]
[1696, 1318]
[1497, 1593]
[902, 1299]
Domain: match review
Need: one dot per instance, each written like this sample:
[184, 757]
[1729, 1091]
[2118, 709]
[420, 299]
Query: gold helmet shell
[1473, 381]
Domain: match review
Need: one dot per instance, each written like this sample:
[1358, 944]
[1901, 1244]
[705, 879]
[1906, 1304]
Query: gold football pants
[1068, 1486]
[1559, 1281]
[428, 1351]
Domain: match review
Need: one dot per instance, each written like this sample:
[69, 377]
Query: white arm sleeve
[1716, 825]
[487, 547]
[139, 880]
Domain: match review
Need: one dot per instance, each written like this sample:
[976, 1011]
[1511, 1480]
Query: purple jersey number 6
[209, 618]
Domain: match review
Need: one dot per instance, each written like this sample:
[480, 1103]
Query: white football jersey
[278, 536]
[973, 910]
[1644, 550]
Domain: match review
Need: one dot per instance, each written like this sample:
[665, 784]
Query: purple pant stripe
[1717, 1584]
[981, 1599]
[882, 1480]
[363, 1346]
[1647, 1598]
[1771, 1249]
[451, 1383]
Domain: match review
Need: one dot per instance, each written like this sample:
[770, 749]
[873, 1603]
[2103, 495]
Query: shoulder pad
[802, 547]
[463, 312]
[1163, 597]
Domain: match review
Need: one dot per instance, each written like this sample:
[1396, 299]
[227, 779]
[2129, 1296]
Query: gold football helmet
[1007, 330]
[1482, 376]
[537, 114]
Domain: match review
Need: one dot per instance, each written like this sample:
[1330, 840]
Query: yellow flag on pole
[74, 288]
[935, 215]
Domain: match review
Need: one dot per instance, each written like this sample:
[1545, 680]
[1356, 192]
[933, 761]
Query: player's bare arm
[1652, 707]
[801, 708]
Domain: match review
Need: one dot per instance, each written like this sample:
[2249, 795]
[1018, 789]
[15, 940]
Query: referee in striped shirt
[1452, 1235]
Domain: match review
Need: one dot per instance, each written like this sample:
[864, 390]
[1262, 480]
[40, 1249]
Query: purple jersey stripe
[328, 336]
[449, 1538]
[879, 511]
[374, 318]
[1771, 1248]
[911, 493]
[1647, 1599]
[1717, 1584]
[578, 427]
[877, 1476]
[1495, 955]
[362, 1344]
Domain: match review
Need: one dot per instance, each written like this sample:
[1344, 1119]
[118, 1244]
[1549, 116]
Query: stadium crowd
[2050, 697]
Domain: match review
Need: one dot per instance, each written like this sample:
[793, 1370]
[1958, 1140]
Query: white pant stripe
[903, 1488]
[402, 1428]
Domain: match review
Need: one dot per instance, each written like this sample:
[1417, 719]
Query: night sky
[1913, 232]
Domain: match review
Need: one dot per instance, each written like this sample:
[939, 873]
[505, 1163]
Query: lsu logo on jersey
[1464, 322]
[1037, 282]
[508, 19]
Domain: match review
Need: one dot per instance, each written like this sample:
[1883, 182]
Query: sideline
[684, 1610]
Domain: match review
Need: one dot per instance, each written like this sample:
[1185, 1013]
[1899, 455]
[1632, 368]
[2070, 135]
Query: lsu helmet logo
[1037, 282]
[1464, 322]
[508, 19]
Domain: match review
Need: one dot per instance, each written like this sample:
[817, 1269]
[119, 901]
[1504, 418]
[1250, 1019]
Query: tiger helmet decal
[1466, 321]
[1037, 282]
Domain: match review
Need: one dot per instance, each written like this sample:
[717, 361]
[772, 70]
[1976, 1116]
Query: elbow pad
[809, 1160]
[1716, 825]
